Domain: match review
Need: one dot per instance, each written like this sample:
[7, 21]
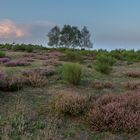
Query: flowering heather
[116, 113]
[52, 62]
[4, 60]
[28, 59]
[42, 71]
[41, 57]
[2, 75]
[55, 54]
[17, 63]
[29, 55]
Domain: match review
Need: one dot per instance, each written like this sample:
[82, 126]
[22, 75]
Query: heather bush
[71, 72]
[131, 85]
[69, 103]
[17, 63]
[4, 60]
[2, 54]
[54, 54]
[52, 62]
[133, 74]
[41, 57]
[115, 113]
[34, 79]
[101, 85]
[3, 82]
[48, 71]
[97, 85]
[11, 83]
[15, 84]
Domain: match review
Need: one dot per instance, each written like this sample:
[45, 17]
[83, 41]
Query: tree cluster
[70, 37]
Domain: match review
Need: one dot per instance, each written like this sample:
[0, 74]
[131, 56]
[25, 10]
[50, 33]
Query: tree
[76, 37]
[66, 36]
[70, 36]
[54, 36]
[85, 39]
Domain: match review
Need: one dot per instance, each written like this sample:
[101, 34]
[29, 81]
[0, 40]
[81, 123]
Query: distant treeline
[119, 54]
[22, 47]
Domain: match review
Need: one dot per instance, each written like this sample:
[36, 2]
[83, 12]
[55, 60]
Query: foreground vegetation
[64, 94]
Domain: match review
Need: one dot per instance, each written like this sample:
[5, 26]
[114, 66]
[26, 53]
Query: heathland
[68, 94]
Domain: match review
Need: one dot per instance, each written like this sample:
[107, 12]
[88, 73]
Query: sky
[112, 23]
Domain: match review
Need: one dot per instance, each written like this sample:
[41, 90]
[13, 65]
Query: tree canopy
[70, 37]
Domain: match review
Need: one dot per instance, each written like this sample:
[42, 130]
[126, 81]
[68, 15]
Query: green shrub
[71, 72]
[104, 63]
[103, 68]
[29, 49]
[73, 56]
[19, 48]
[106, 59]
[117, 54]
[2, 54]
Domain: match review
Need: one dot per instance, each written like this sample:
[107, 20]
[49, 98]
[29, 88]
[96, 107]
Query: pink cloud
[9, 29]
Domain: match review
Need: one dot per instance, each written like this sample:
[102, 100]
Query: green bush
[73, 56]
[103, 68]
[23, 47]
[71, 72]
[117, 54]
[2, 54]
[104, 63]
[106, 59]
[126, 55]
[29, 49]
[18, 48]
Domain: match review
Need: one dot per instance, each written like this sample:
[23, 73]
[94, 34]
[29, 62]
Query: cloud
[9, 29]
[24, 32]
